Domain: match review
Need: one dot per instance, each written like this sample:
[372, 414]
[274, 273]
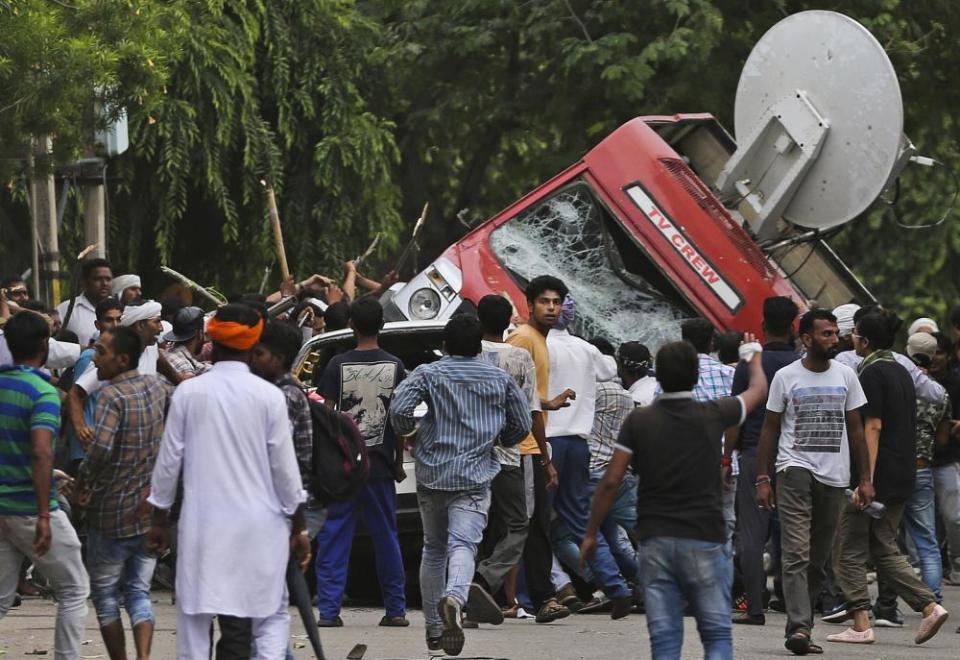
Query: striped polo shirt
[27, 401]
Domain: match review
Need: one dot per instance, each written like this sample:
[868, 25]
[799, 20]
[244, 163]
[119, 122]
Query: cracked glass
[618, 293]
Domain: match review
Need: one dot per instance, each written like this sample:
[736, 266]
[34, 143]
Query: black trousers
[235, 637]
[506, 532]
[753, 531]
[537, 551]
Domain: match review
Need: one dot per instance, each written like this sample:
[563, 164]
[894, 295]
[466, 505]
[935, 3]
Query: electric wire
[898, 218]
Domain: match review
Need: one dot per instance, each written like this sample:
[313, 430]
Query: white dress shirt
[927, 388]
[62, 354]
[230, 433]
[82, 320]
[579, 365]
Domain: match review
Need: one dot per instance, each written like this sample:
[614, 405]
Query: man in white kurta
[229, 431]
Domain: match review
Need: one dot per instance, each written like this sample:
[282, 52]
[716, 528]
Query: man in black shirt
[673, 449]
[361, 383]
[890, 431]
[754, 523]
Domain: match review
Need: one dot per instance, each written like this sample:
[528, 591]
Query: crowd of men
[555, 475]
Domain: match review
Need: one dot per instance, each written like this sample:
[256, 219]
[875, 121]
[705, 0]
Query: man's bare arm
[76, 400]
[862, 455]
[41, 463]
[766, 452]
[538, 430]
[603, 499]
[756, 392]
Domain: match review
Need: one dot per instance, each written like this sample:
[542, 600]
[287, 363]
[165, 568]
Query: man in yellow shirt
[545, 296]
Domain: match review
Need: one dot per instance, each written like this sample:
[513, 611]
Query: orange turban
[234, 335]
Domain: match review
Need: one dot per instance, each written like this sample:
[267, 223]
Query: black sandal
[799, 643]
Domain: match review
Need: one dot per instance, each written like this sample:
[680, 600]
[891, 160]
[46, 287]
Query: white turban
[844, 314]
[923, 322]
[123, 282]
[151, 309]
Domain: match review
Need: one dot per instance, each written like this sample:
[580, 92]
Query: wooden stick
[277, 231]
[413, 238]
[363, 257]
[202, 290]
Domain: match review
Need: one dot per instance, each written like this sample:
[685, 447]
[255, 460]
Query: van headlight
[424, 304]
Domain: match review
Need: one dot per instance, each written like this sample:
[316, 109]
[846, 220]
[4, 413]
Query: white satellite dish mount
[819, 125]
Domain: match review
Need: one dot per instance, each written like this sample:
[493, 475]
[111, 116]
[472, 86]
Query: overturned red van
[640, 240]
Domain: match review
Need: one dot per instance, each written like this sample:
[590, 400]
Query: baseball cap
[186, 324]
[921, 347]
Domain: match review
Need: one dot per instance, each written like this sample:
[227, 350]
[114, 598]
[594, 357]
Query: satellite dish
[819, 124]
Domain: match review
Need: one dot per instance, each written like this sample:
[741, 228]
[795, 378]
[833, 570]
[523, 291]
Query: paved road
[30, 628]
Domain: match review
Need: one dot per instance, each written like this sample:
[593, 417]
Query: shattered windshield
[618, 293]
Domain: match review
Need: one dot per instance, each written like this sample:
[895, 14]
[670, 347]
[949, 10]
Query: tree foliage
[67, 68]
[359, 112]
[550, 79]
[273, 91]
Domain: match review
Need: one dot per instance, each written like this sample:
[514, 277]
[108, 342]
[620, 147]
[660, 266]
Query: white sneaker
[851, 636]
[930, 625]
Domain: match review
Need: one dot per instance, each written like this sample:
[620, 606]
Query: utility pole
[46, 263]
[95, 220]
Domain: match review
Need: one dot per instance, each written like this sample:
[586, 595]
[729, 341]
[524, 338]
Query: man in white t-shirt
[634, 362]
[812, 424]
[97, 281]
[506, 533]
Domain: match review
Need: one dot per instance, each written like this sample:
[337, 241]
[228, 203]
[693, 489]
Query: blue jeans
[571, 502]
[676, 571]
[378, 500]
[115, 566]
[920, 518]
[622, 517]
[946, 482]
[453, 524]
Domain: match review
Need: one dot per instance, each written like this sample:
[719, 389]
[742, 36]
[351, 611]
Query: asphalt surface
[30, 628]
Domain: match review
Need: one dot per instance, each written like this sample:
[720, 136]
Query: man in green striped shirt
[31, 523]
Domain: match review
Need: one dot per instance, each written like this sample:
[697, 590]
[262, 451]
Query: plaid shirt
[715, 382]
[127, 429]
[183, 361]
[298, 410]
[613, 405]
[716, 379]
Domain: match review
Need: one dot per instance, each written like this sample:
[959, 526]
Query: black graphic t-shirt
[361, 383]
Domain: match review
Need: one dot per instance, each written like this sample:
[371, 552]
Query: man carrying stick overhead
[229, 431]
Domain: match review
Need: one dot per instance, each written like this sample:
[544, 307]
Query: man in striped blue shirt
[32, 526]
[470, 404]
